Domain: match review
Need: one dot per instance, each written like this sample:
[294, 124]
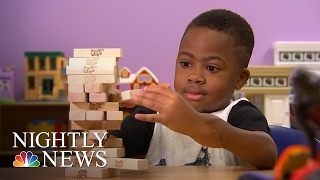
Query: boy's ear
[244, 76]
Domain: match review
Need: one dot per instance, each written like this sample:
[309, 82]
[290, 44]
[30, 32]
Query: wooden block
[106, 106]
[108, 143]
[75, 88]
[127, 163]
[77, 97]
[91, 172]
[92, 87]
[96, 87]
[111, 152]
[111, 61]
[114, 115]
[95, 115]
[97, 52]
[117, 80]
[119, 71]
[106, 69]
[93, 125]
[112, 163]
[77, 115]
[80, 142]
[114, 97]
[100, 133]
[127, 95]
[67, 162]
[107, 79]
[98, 97]
[74, 161]
[112, 90]
[113, 143]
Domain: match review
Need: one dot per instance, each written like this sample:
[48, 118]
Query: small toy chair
[285, 137]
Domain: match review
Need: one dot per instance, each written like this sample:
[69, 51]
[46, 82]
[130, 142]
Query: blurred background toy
[7, 84]
[300, 162]
[45, 75]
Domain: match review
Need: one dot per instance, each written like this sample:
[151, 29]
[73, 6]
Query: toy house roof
[148, 71]
[43, 54]
[133, 76]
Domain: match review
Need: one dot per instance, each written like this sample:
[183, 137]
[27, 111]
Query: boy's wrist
[206, 132]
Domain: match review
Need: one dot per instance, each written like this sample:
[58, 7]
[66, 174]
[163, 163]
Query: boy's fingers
[128, 103]
[150, 104]
[148, 117]
[158, 98]
[158, 90]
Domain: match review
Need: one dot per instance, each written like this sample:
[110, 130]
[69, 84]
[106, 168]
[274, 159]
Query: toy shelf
[266, 90]
[14, 117]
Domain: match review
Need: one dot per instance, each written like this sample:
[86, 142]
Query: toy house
[143, 77]
[45, 76]
[6, 84]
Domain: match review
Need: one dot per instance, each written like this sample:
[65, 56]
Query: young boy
[197, 124]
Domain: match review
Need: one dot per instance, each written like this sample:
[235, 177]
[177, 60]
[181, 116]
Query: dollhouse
[7, 84]
[143, 77]
[45, 76]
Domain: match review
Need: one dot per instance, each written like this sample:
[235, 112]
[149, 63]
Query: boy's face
[207, 70]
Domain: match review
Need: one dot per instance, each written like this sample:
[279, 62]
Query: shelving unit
[14, 117]
[270, 96]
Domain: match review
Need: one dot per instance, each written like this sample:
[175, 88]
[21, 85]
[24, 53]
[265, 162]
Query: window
[31, 82]
[47, 86]
[124, 74]
[31, 64]
[144, 78]
[42, 64]
[53, 65]
[4, 84]
[136, 86]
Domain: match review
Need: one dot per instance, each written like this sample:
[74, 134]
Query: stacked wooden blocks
[94, 108]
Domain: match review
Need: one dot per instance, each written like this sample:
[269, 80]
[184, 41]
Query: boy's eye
[185, 64]
[211, 68]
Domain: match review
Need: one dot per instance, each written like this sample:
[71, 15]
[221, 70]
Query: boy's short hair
[228, 22]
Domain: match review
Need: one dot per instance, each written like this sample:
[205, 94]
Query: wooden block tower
[94, 108]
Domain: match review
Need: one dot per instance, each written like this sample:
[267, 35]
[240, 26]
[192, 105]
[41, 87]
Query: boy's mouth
[195, 95]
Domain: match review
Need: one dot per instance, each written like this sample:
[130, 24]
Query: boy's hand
[173, 111]
[127, 104]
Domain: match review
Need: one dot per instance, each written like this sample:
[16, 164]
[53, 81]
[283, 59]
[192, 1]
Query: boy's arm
[247, 138]
[255, 147]
[136, 135]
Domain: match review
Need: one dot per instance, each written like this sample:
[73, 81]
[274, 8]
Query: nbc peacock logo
[26, 159]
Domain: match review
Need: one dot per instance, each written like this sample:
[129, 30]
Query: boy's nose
[196, 78]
